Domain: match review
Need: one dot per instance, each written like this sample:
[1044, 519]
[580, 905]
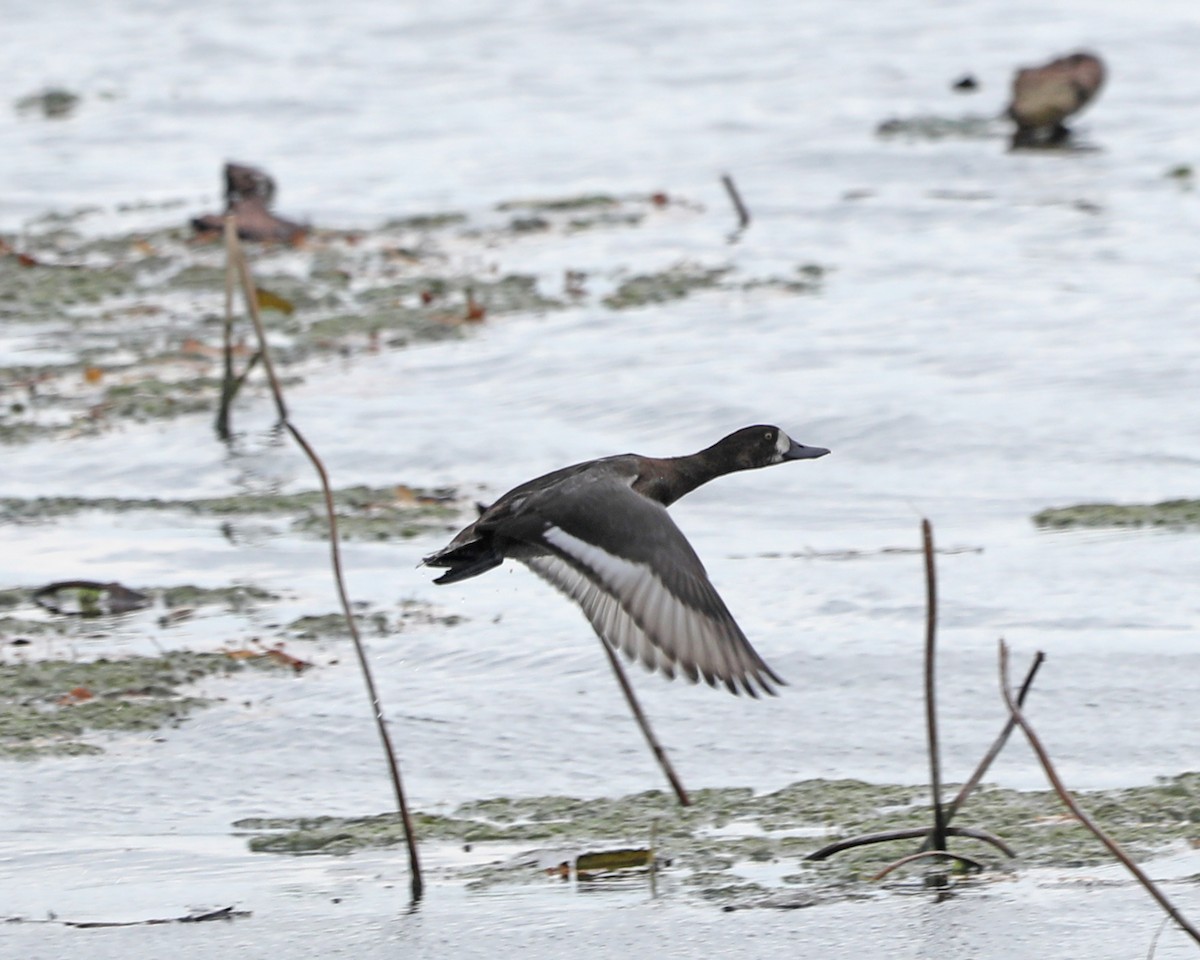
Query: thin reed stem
[251, 296]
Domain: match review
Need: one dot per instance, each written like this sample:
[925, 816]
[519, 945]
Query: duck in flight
[600, 533]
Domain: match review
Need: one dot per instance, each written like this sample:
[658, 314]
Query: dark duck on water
[599, 532]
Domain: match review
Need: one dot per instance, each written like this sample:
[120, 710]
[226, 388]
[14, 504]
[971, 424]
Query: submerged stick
[938, 839]
[655, 747]
[910, 833]
[927, 854]
[251, 296]
[1069, 802]
[736, 199]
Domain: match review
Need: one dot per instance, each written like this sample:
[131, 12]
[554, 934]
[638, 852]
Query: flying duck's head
[763, 445]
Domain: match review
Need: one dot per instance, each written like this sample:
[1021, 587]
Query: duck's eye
[769, 436]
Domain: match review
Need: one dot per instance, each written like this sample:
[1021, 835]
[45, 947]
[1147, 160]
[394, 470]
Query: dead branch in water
[230, 383]
[994, 751]
[1069, 802]
[736, 199]
[655, 747]
[982, 767]
[238, 259]
[912, 833]
[935, 837]
[938, 837]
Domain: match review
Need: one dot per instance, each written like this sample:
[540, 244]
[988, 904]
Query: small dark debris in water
[225, 913]
[475, 311]
[248, 196]
[88, 598]
[53, 103]
[275, 655]
[965, 84]
[785, 901]
[1182, 172]
[573, 283]
[172, 617]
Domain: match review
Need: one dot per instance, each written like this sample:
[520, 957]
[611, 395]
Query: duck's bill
[798, 451]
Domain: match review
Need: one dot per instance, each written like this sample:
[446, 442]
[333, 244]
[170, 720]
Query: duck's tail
[465, 560]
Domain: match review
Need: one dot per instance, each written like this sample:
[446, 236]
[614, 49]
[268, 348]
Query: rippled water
[998, 333]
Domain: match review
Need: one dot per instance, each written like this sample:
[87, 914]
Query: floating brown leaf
[75, 695]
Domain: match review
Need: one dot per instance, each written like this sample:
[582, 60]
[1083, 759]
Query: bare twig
[227, 380]
[981, 770]
[982, 767]
[925, 854]
[655, 747]
[1154, 940]
[736, 199]
[251, 296]
[938, 838]
[911, 833]
[1069, 802]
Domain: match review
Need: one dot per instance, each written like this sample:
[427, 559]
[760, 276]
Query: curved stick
[910, 834]
[982, 769]
[923, 854]
[251, 297]
[1069, 802]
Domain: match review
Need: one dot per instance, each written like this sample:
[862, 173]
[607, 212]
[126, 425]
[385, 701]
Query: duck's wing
[621, 557]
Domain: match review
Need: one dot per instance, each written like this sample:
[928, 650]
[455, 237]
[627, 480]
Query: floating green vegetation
[13, 597]
[586, 201]
[152, 398]
[932, 127]
[1169, 513]
[237, 598]
[674, 283]
[725, 829]
[135, 319]
[426, 221]
[29, 292]
[364, 513]
[378, 622]
[18, 629]
[48, 706]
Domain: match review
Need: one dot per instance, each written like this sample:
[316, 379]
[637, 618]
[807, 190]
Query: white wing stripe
[631, 608]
